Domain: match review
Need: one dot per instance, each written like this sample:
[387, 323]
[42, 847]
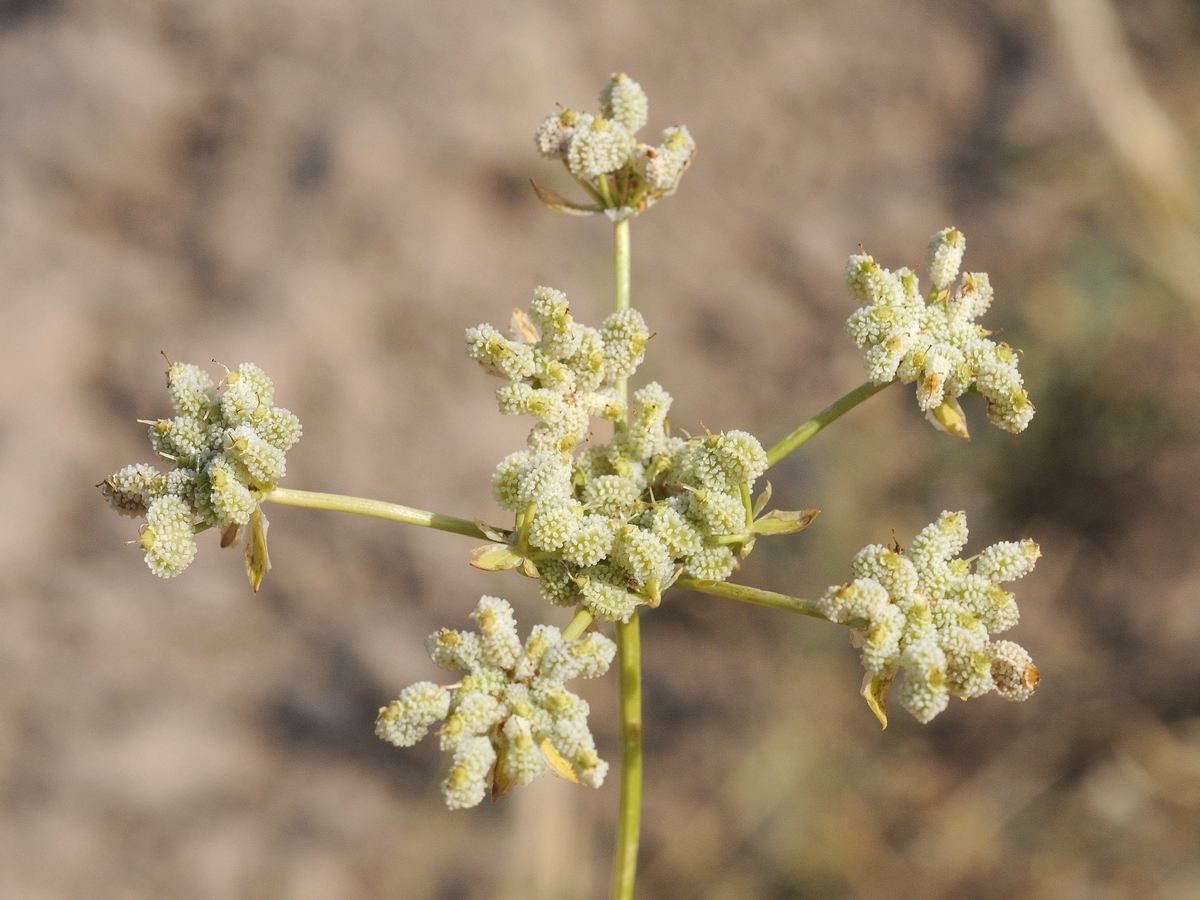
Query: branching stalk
[829, 414]
[606, 192]
[748, 594]
[376, 508]
[578, 625]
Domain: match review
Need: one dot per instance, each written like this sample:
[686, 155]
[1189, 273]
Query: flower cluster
[227, 447]
[623, 175]
[934, 340]
[926, 612]
[511, 717]
[613, 525]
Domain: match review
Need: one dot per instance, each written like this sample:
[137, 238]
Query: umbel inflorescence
[924, 612]
[607, 526]
[933, 340]
[603, 526]
[226, 447]
[612, 525]
[511, 717]
[622, 175]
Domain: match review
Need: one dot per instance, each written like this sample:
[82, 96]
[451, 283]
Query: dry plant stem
[748, 594]
[377, 508]
[1153, 149]
[629, 655]
[830, 413]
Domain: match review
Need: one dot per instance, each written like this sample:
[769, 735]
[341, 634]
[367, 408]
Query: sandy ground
[334, 190]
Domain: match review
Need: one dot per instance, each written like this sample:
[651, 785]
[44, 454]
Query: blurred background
[335, 190]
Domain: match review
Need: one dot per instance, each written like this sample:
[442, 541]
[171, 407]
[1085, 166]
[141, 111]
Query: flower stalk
[754, 595]
[578, 625]
[378, 509]
[831, 413]
[629, 817]
[629, 665]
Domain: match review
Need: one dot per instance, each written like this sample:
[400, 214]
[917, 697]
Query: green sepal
[949, 418]
[501, 781]
[783, 521]
[495, 534]
[875, 690]
[558, 764]
[763, 499]
[258, 561]
[491, 558]
[557, 202]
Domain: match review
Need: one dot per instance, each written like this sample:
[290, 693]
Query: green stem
[836, 409]
[622, 258]
[524, 521]
[629, 657]
[629, 818]
[377, 508]
[725, 540]
[605, 193]
[747, 502]
[748, 594]
[595, 194]
[578, 625]
[621, 240]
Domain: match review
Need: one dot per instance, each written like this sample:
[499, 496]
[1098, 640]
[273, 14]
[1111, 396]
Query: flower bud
[168, 538]
[945, 256]
[1013, 671]
[624, 101]
[406, 720]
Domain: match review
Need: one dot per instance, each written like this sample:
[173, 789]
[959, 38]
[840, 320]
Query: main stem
[377, 508]
[629, 671]
[629, 817]
[833, 411]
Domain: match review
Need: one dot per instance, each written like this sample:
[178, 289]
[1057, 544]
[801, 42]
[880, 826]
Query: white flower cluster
[227, 447]
[622, 174]
[925, 612]
[613, 525]
[511, 717]
[934, 340]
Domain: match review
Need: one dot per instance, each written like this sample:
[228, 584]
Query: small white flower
[624, 101]
[945, 256]
[598, 147]
[168, 536]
